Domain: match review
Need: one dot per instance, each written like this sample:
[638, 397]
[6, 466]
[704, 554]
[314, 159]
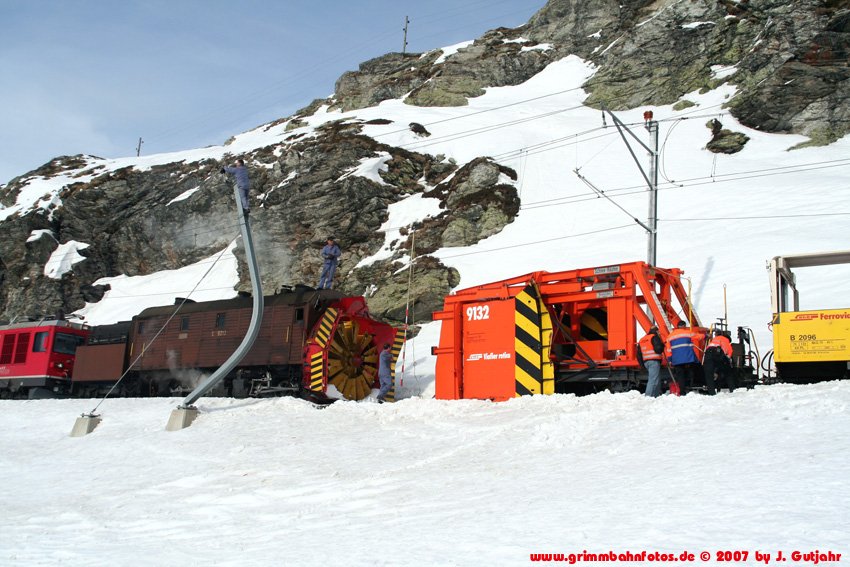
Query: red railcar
[37, 355]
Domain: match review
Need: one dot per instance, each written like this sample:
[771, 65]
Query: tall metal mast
[185, 413]
[651, 179]
[652, 126]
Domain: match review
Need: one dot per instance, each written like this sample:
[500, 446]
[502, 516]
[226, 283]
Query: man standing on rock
[330, 255]
[240, 172]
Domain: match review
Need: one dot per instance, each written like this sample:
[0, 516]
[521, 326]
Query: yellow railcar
[808, 345]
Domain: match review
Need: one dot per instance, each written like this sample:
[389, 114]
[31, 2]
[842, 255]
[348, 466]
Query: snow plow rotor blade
[351, 358]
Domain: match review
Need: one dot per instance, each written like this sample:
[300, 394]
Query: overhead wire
[758, 217]
[533, 149]
[536, 242]
[484, 129]
[482, 111]
[664, 153]
[697, 181]
[638, 189]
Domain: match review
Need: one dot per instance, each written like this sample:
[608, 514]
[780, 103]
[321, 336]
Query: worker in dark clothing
[240, 172]
[330, 257]
[650, 349]
[385, 373]
[718, 359]
[684, 354]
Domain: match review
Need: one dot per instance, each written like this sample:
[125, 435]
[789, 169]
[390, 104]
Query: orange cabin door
[488, 350]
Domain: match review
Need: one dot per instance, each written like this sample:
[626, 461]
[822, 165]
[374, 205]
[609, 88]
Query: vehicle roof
[45, 323]
[298, 296]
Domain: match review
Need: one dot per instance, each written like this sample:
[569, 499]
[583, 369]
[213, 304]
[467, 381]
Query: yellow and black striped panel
[546, 331]
[398, 342]
[317, 368]
[534, 372]
[326, 327]
[594, 324]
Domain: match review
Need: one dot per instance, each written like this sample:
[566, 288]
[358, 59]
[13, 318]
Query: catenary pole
[651, 177]
[652, 126]
[404, 45]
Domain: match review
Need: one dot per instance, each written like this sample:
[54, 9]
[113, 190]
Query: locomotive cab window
[184, 324]
[39, 343]
[67, 344]
[220, 320]
[299, 315]
[8, 349]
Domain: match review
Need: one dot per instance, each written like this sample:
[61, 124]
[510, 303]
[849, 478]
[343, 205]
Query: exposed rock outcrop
[500, 57]
[304, 190]
[790, 60]
[725, 141]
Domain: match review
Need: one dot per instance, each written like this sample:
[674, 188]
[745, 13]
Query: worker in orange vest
[650, 349]
[718, 358]
[684, 354]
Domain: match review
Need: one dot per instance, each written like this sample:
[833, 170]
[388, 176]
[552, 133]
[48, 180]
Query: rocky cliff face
[303, 192]
[789, 61]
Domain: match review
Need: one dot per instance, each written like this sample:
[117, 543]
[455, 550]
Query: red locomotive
[38, 355]
[314, 343]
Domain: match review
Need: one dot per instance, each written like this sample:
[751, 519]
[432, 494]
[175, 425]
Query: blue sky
[93, 76]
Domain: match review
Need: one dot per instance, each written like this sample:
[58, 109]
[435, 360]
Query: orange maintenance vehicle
[545, 333]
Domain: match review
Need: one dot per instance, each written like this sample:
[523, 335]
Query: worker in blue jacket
[330, 257]
[240, 172]
[385, 372]
[684, 352]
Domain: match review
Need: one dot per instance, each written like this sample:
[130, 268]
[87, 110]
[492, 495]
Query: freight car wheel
[352, 361]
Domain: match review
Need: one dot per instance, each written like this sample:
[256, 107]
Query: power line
[477, 112]
[483, 130]
[757, 217]
[632, 190]
[581, 197]
[440, 257]
[695, 181]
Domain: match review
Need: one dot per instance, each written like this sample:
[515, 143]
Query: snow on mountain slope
[423, 482]
[208, 280]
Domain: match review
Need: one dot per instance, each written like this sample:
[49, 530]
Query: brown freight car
[202, 335]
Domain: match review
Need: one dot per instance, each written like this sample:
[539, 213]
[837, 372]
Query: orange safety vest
[680, 339]
[723, 343]
[646, 348]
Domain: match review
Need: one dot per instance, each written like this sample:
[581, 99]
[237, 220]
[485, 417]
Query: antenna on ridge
[404, 45]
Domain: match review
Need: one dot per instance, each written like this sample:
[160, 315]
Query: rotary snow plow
[543, 333]
[341, 355]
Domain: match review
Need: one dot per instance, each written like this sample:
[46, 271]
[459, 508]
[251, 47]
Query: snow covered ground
[427, 482]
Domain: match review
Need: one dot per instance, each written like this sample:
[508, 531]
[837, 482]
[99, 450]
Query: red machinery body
[544, 332]
[343, 351]
[39, 355]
